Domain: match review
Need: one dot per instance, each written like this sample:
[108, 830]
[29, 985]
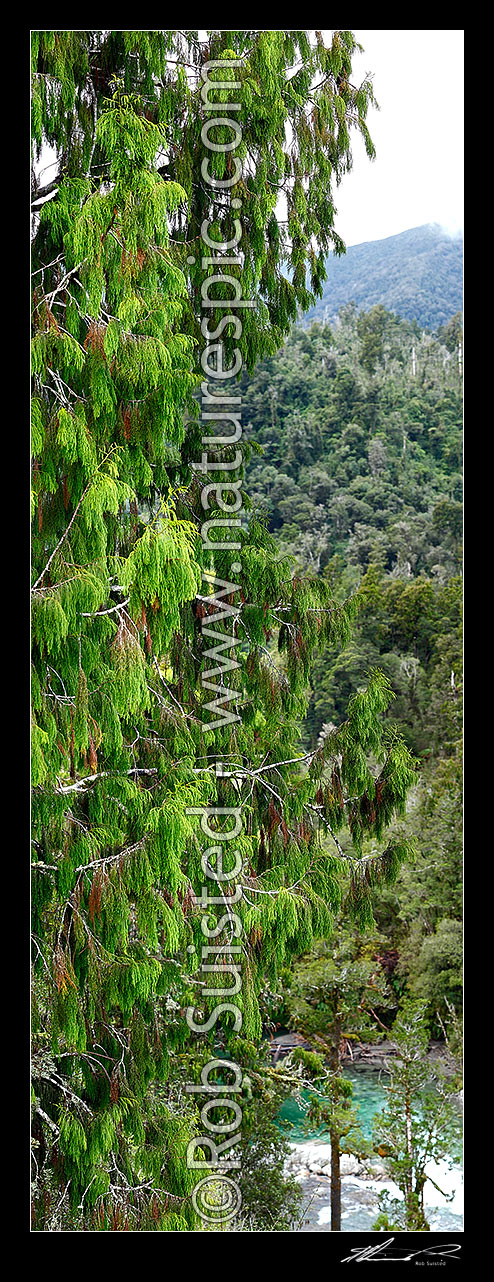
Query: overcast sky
[417, 176]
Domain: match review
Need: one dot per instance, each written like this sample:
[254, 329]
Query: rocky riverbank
[361, 1183]
[375, 1054]
[315, 1159]
[372, 1055]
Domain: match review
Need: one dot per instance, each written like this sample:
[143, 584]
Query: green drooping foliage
[298, 110]
[124, 748]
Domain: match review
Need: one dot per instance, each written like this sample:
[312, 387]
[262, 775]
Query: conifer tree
[123, 749]
[332, 1000]
[418, 1124]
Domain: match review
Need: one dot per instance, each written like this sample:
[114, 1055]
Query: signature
[446, 1249]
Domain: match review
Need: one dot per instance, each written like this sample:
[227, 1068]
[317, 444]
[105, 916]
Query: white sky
[417, 176]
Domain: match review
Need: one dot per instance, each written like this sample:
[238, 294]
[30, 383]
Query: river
[360, 1195]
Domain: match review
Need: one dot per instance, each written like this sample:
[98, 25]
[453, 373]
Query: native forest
[246, 683]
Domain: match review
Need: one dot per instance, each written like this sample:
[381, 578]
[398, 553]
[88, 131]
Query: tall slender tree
[333, 998]
[123, 750]
[418, 1124]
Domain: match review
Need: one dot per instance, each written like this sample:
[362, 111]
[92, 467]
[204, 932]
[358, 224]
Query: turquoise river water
[360, 1196]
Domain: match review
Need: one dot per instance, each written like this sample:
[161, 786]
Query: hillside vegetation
[359, 478]
[417, 275]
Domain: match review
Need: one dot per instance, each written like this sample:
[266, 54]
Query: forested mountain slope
[361, 456]
[359, 477]
[417, 274]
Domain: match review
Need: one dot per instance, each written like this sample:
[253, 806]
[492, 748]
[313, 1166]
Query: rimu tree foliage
[121, 749]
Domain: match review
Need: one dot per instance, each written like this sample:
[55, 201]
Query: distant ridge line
[417, 273]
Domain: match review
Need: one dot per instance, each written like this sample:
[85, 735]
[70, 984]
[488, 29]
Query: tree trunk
[410, 1201]
[335, 1183]
[409, 1141]
[334, 1135]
